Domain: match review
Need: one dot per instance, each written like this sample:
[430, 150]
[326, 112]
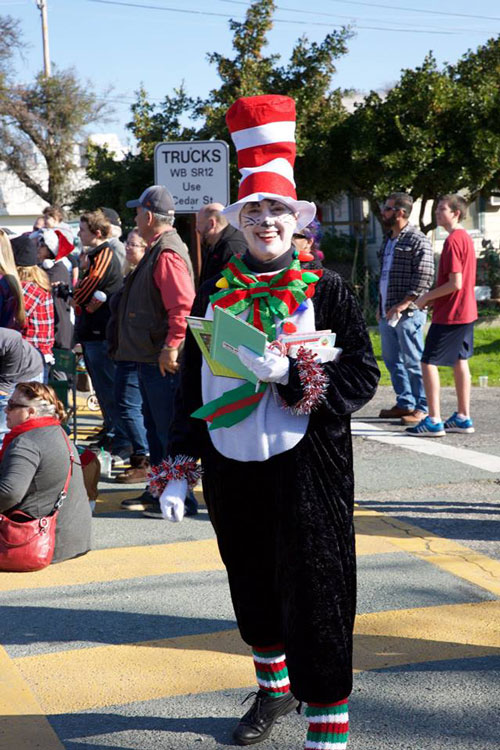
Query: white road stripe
[431, 446]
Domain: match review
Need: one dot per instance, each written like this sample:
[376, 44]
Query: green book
[231, 332]
[202, 330]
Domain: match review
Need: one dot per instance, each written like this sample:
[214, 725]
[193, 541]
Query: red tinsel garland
[314, 382]
[180, 467]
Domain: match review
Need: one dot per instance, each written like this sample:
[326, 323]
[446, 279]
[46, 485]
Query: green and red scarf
[268, 296]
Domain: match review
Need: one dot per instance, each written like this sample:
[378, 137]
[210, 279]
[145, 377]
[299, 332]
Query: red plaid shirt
[39, 326]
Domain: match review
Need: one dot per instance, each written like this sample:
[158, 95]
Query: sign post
[196, 173]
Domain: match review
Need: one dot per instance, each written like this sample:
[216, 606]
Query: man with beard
[406, 272]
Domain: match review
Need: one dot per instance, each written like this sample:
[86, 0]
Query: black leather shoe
[257, 723]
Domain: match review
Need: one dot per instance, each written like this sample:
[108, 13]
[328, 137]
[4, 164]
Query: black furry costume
[285, 526]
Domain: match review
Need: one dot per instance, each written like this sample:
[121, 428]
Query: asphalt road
[134, 646]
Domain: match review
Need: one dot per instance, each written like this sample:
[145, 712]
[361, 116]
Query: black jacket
[104, 274]
[231, 242]
[63, 326]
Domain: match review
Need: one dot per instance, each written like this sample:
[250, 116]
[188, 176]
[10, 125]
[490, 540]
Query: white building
[20, 206]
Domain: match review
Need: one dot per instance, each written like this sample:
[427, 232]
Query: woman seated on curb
[34, 463]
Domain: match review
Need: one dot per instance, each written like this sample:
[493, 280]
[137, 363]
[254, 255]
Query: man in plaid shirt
[406, 272]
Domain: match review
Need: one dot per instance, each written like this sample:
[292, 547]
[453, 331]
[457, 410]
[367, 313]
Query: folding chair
[65, 361]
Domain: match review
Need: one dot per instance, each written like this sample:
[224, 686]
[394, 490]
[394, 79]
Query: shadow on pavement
[75, 726]
[46, 625]
[465, 522]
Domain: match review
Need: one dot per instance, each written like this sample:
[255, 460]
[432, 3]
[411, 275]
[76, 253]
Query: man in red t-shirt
[450, 340]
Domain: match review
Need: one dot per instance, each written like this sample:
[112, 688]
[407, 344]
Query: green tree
[396, 143]
[307, 77]
[477, 111]
[436, 131]
[150, 125]
[45, 118]
[114, 182]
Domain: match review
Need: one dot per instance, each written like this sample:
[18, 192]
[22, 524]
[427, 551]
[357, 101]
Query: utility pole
[42, 7]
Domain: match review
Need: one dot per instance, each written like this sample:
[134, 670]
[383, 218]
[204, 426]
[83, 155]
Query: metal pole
[195, 248]
[42, 7]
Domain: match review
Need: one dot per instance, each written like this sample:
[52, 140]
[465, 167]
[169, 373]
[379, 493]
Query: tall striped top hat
[263, 131]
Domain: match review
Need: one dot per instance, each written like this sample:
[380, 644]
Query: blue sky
[126, 46]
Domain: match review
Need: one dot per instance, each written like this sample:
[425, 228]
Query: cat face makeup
[268, 227]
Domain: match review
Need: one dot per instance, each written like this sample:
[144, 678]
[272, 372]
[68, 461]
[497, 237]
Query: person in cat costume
[277, 459]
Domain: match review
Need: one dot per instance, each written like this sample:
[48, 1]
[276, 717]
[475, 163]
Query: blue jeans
[402, 348]
[101, 369]
[129, 402]
[158, 393]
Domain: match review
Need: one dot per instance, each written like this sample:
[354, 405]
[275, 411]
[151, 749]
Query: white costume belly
[270, 429]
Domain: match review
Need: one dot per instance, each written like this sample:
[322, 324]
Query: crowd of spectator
[125, 304]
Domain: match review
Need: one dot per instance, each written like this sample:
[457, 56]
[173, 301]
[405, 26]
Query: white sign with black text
[195, 172]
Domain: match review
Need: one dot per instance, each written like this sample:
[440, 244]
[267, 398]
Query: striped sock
[271, 670]
[328, 726]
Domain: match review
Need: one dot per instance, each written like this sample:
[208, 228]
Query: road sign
[195, 172]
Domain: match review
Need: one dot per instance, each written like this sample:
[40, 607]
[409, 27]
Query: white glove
[270, 368]
[172, 499]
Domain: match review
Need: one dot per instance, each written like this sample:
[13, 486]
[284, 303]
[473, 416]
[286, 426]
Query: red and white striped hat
[263, 131]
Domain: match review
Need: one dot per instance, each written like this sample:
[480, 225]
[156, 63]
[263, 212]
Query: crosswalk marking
[443, 553]
[220, 661]
[24, 725]
[121, 563]
[102, 676]
[138, 672]
[426, 634]
[430, 446]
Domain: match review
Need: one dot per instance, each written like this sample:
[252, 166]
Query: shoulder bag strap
[62, 495]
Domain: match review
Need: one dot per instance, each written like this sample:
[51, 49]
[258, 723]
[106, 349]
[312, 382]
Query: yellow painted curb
[23, 725]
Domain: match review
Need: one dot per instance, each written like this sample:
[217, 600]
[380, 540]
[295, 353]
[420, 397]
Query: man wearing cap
[277, 456]
[219, 240]
[151, 321]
